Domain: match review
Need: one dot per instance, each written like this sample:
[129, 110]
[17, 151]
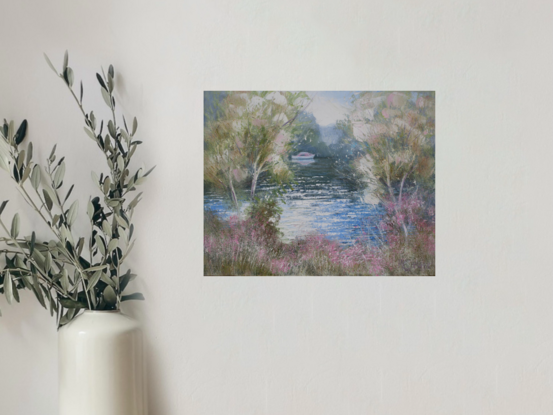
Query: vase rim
[101, 311]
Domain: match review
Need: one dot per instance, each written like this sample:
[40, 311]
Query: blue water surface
[320, 203]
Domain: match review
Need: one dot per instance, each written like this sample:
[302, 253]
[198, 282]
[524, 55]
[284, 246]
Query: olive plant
[68, 272]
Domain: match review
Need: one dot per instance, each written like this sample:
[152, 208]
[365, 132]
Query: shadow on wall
[155, 381]
[28, 344]
[26, 319]
[157, 400]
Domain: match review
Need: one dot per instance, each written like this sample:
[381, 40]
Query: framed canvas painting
[327, 183]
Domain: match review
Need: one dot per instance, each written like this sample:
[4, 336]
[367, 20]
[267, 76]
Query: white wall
[477, 339]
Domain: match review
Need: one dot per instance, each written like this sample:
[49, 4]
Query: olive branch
[69, 272]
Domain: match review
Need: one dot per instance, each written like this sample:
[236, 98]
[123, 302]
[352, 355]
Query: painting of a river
[319, 183]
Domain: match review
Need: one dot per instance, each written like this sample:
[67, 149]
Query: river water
[320, 203]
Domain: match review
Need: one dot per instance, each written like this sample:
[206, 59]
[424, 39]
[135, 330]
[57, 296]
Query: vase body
[101, 365]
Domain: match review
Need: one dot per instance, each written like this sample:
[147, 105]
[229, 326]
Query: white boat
[304, 156]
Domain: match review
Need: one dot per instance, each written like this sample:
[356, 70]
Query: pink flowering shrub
[414, 253]
[252, 246]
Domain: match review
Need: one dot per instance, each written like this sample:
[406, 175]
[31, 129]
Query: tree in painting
[327, 183]
[397, 137]
[223, 159]
[250, 134]
[397, 134]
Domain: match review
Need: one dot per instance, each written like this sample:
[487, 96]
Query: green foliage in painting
[247, 135]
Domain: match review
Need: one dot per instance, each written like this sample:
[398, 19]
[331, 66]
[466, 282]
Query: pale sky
[329, 106]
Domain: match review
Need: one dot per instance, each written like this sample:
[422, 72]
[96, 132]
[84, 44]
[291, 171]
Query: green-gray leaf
[110, 83]
[47, 199]
[20, 159]
[94, 280]
[133, 296]
[59, 175]
[3, 206]
[107, 280]
[52, 156]
[80, 246]
[64, 280]
[90, 210]
[89, 133]
[38, 292]
[107, 183]
[8, 287]
[98, 267]
[36, 177]
[113, 244]
[109, 296]
[73, 212]
[149, 171]
[21, 132]
[100, 245]
[32, 245]
[106, 228]
[70, 77]
[26, 174]
[69, 303]
[113, 202]
[121, 221]
[48, 262]
[49, 62]
[111, 129]
[29, 153]
[140, 180]
[11, 130]
[105, 95]
[14, 232]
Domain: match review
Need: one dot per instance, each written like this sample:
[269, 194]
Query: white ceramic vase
[101, 365]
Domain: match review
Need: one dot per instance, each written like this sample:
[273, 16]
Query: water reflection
[321, 202]
[304, 162]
